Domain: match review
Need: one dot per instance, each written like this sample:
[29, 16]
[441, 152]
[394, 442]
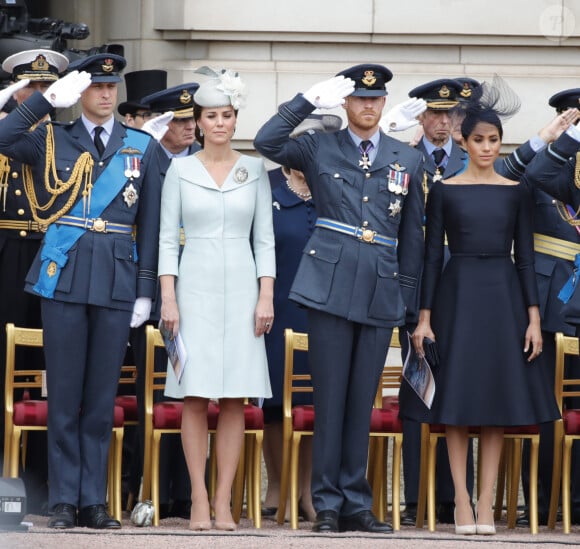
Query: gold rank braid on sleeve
[425, 187]
[81, 175]
[4, 175]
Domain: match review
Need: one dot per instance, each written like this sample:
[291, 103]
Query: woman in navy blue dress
[294, 216]
[483, 312]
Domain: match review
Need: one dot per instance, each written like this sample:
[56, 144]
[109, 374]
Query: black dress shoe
[445, 513]
[409, 515]
[64, 515]
[364, 521]
[269, 511]
[326, 521]
[95, 516]
[524, 520]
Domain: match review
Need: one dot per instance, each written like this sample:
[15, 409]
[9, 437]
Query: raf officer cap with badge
[178, 99]
[369, 80]
[138, 84]
[36, 65]
[566, 99]
[440, 95]
[103, 67]
[468, 87]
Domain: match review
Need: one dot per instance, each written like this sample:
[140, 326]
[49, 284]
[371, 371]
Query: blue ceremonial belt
[364, 235]
[568, 289]
[60, 238]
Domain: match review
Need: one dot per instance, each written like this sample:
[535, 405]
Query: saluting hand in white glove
[403, 116]
[141, 311]
[8, 92]
[157, 127]
[330, 93]
[67, 91]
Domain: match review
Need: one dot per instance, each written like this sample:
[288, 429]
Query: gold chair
[164, 417]
[25, 415]
[385, 424]
[566, 431]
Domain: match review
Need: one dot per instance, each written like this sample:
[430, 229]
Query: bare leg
[273, 459]
[305, 478]
[229, 438]
[194, 440]
[491, 441]
[457, 444]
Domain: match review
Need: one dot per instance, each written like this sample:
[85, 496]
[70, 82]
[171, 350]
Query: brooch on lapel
[130, 195]
[241, 175]
[397, 180]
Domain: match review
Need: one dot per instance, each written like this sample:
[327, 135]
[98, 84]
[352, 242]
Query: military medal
[395, 208]
[127, 172]
[437, 176]
[135, 166]
[364, 148]
[364, 162]
[130, 195]
[241, 175]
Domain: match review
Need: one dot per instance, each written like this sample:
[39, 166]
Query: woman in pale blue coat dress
[219, 294]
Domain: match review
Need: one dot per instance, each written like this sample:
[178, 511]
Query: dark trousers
[84, 347]
[346, 361]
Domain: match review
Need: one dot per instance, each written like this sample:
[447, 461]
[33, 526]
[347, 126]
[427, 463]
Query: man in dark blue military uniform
[177, 140]
[20, 236]
[357, 277]
[556, 243]
[96, 270]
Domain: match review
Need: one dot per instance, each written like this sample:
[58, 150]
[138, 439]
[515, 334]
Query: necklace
[306, 196]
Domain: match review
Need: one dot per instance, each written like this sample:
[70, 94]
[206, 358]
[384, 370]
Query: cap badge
[444, 92]
[466, 91]
[108, 65]
[39, 64]
[185, 97]
[369, 78]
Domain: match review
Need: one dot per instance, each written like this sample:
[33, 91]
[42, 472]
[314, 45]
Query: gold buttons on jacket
[312, 252]
[23, 233]
[20, 211]
[101, 163]
[365, 224]
[367, 175]
[365, 198]
[17, 192]
[336, 175]
[14, 175]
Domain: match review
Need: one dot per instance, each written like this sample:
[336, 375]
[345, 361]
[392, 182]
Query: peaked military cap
[37, 65]
[369, 80]
[468, 85]
[440, 95]
[566, 99]
[178, 99]
[139, 84]
[103, 67]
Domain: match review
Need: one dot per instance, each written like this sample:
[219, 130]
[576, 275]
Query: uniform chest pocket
[125, 278]
[331, 186]
[387, 301]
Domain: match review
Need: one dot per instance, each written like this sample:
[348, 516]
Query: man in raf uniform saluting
[95, 272]
[20, 237]
[357, 277]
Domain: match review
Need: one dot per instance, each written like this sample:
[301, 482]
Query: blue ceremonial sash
[59, 239]
[568, 289]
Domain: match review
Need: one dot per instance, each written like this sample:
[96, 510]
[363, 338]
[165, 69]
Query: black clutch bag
[431, 352]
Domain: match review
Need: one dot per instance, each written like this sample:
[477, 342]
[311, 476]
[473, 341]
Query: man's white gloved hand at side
[141, 311]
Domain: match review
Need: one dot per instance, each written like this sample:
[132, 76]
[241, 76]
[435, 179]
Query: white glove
[67, 91]
[330, 93]
[141, 311]
[403, 116]
[157, 127]
[8, 92]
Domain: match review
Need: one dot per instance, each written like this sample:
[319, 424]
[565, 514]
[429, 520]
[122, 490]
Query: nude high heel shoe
[483, 529]
[464, 529]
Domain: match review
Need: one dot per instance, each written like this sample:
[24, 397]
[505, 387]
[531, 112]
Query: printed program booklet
[419, 375]
[175, 350]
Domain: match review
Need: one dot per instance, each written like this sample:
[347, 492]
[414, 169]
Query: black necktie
[98, 141]
[365, 146]
[438, 156]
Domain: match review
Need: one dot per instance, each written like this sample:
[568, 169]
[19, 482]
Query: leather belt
[363, 234]
[20, 225]
[96, 225]
[556, 247]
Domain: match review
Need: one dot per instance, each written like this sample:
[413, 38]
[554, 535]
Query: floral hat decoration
[223, 87]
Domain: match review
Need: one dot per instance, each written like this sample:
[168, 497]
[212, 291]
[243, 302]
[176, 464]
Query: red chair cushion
[31, 413]
[303, 417]
[522, 429]
[386, 420]
[129, 405]
[34, 413]
[571, 422]
[391, 402]
[167, 415]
